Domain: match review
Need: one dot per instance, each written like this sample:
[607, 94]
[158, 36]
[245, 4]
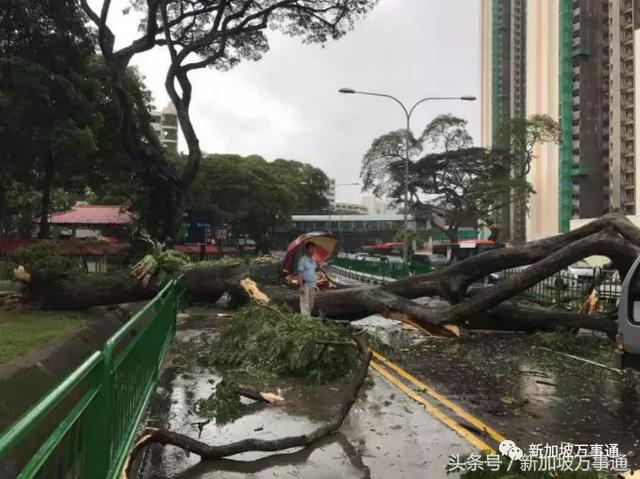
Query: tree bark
[612, 235]
[4, 206]
[47, 189]
[510, 316]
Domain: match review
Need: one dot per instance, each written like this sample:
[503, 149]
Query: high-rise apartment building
[165, 124]
[543, 98]
[579, 65]
[624, 61]
[504, 84]
[584, 106]
[331, 193]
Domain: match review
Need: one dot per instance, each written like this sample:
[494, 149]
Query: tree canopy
[198, 34]
[453, 182]
[59, 127]
[253, 196]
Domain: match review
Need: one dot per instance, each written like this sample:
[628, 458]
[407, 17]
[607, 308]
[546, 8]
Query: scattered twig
[259, 396]
[272, 308]
[338, 343]
[588, 361]
[546, 383]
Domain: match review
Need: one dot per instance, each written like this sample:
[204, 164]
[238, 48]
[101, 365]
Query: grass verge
[22, 332]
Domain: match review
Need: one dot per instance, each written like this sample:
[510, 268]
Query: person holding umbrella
[307, 267]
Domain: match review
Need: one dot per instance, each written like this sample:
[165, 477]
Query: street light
[407, 112]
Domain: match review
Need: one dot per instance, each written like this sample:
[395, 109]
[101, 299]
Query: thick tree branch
[206, 451]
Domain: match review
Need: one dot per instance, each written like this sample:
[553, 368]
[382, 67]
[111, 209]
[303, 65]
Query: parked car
[581, 271]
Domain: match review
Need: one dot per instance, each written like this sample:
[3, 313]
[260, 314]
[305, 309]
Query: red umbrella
[325, 244]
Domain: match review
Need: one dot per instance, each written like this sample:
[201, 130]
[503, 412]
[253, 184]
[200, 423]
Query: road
[386, 434]
[504, 385]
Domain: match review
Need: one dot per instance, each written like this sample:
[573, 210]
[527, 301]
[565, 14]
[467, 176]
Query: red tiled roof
[93, 215]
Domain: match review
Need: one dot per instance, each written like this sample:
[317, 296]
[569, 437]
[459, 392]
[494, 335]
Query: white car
[581, 271]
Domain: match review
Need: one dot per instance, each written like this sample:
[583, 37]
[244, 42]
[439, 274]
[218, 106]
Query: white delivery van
[628, 338]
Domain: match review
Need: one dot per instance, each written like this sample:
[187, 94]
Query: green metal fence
[93, 414]
[571, 291]
[386, 270]
[562, 288]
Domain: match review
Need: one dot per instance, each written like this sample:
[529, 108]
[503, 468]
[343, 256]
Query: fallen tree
[206, 451]
[611, 235]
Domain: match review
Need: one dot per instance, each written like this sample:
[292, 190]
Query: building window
[170, 134]
[170, 120]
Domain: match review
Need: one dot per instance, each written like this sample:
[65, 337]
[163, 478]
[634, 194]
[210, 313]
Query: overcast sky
[287, 105]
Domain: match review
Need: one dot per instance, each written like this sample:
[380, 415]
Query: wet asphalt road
[385, 435]
[529, 395]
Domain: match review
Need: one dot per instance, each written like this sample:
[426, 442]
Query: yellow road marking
[446, 420]
[438, 397]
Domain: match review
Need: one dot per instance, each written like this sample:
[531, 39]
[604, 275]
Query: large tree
[460, 186]
[58, 125]
[455, 182]
[43, 121]
[253, 196]
[309, 184]
[522, 134]
[493, 307]
[198, 34]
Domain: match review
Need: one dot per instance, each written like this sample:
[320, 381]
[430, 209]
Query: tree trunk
[4, 207]
[45, 204]
[452, 234]
[612, 235]
[505, 219]
[25, 221]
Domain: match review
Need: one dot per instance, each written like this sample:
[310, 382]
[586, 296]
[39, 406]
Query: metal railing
[562, 288]
[571, 291]
[381, 269]
[85, 426]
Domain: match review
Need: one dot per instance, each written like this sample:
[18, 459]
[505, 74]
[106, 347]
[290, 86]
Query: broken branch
[207, 451]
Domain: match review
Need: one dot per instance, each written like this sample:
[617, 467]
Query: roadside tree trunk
[612, 236]
[47, 190]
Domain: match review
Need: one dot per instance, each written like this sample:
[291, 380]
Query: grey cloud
[288, 105]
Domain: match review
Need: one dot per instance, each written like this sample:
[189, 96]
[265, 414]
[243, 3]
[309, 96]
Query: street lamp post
[407, 140]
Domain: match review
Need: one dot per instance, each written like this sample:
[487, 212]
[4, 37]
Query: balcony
[580, 171]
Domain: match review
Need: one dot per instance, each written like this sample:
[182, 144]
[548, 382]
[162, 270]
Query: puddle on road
[385, 434]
